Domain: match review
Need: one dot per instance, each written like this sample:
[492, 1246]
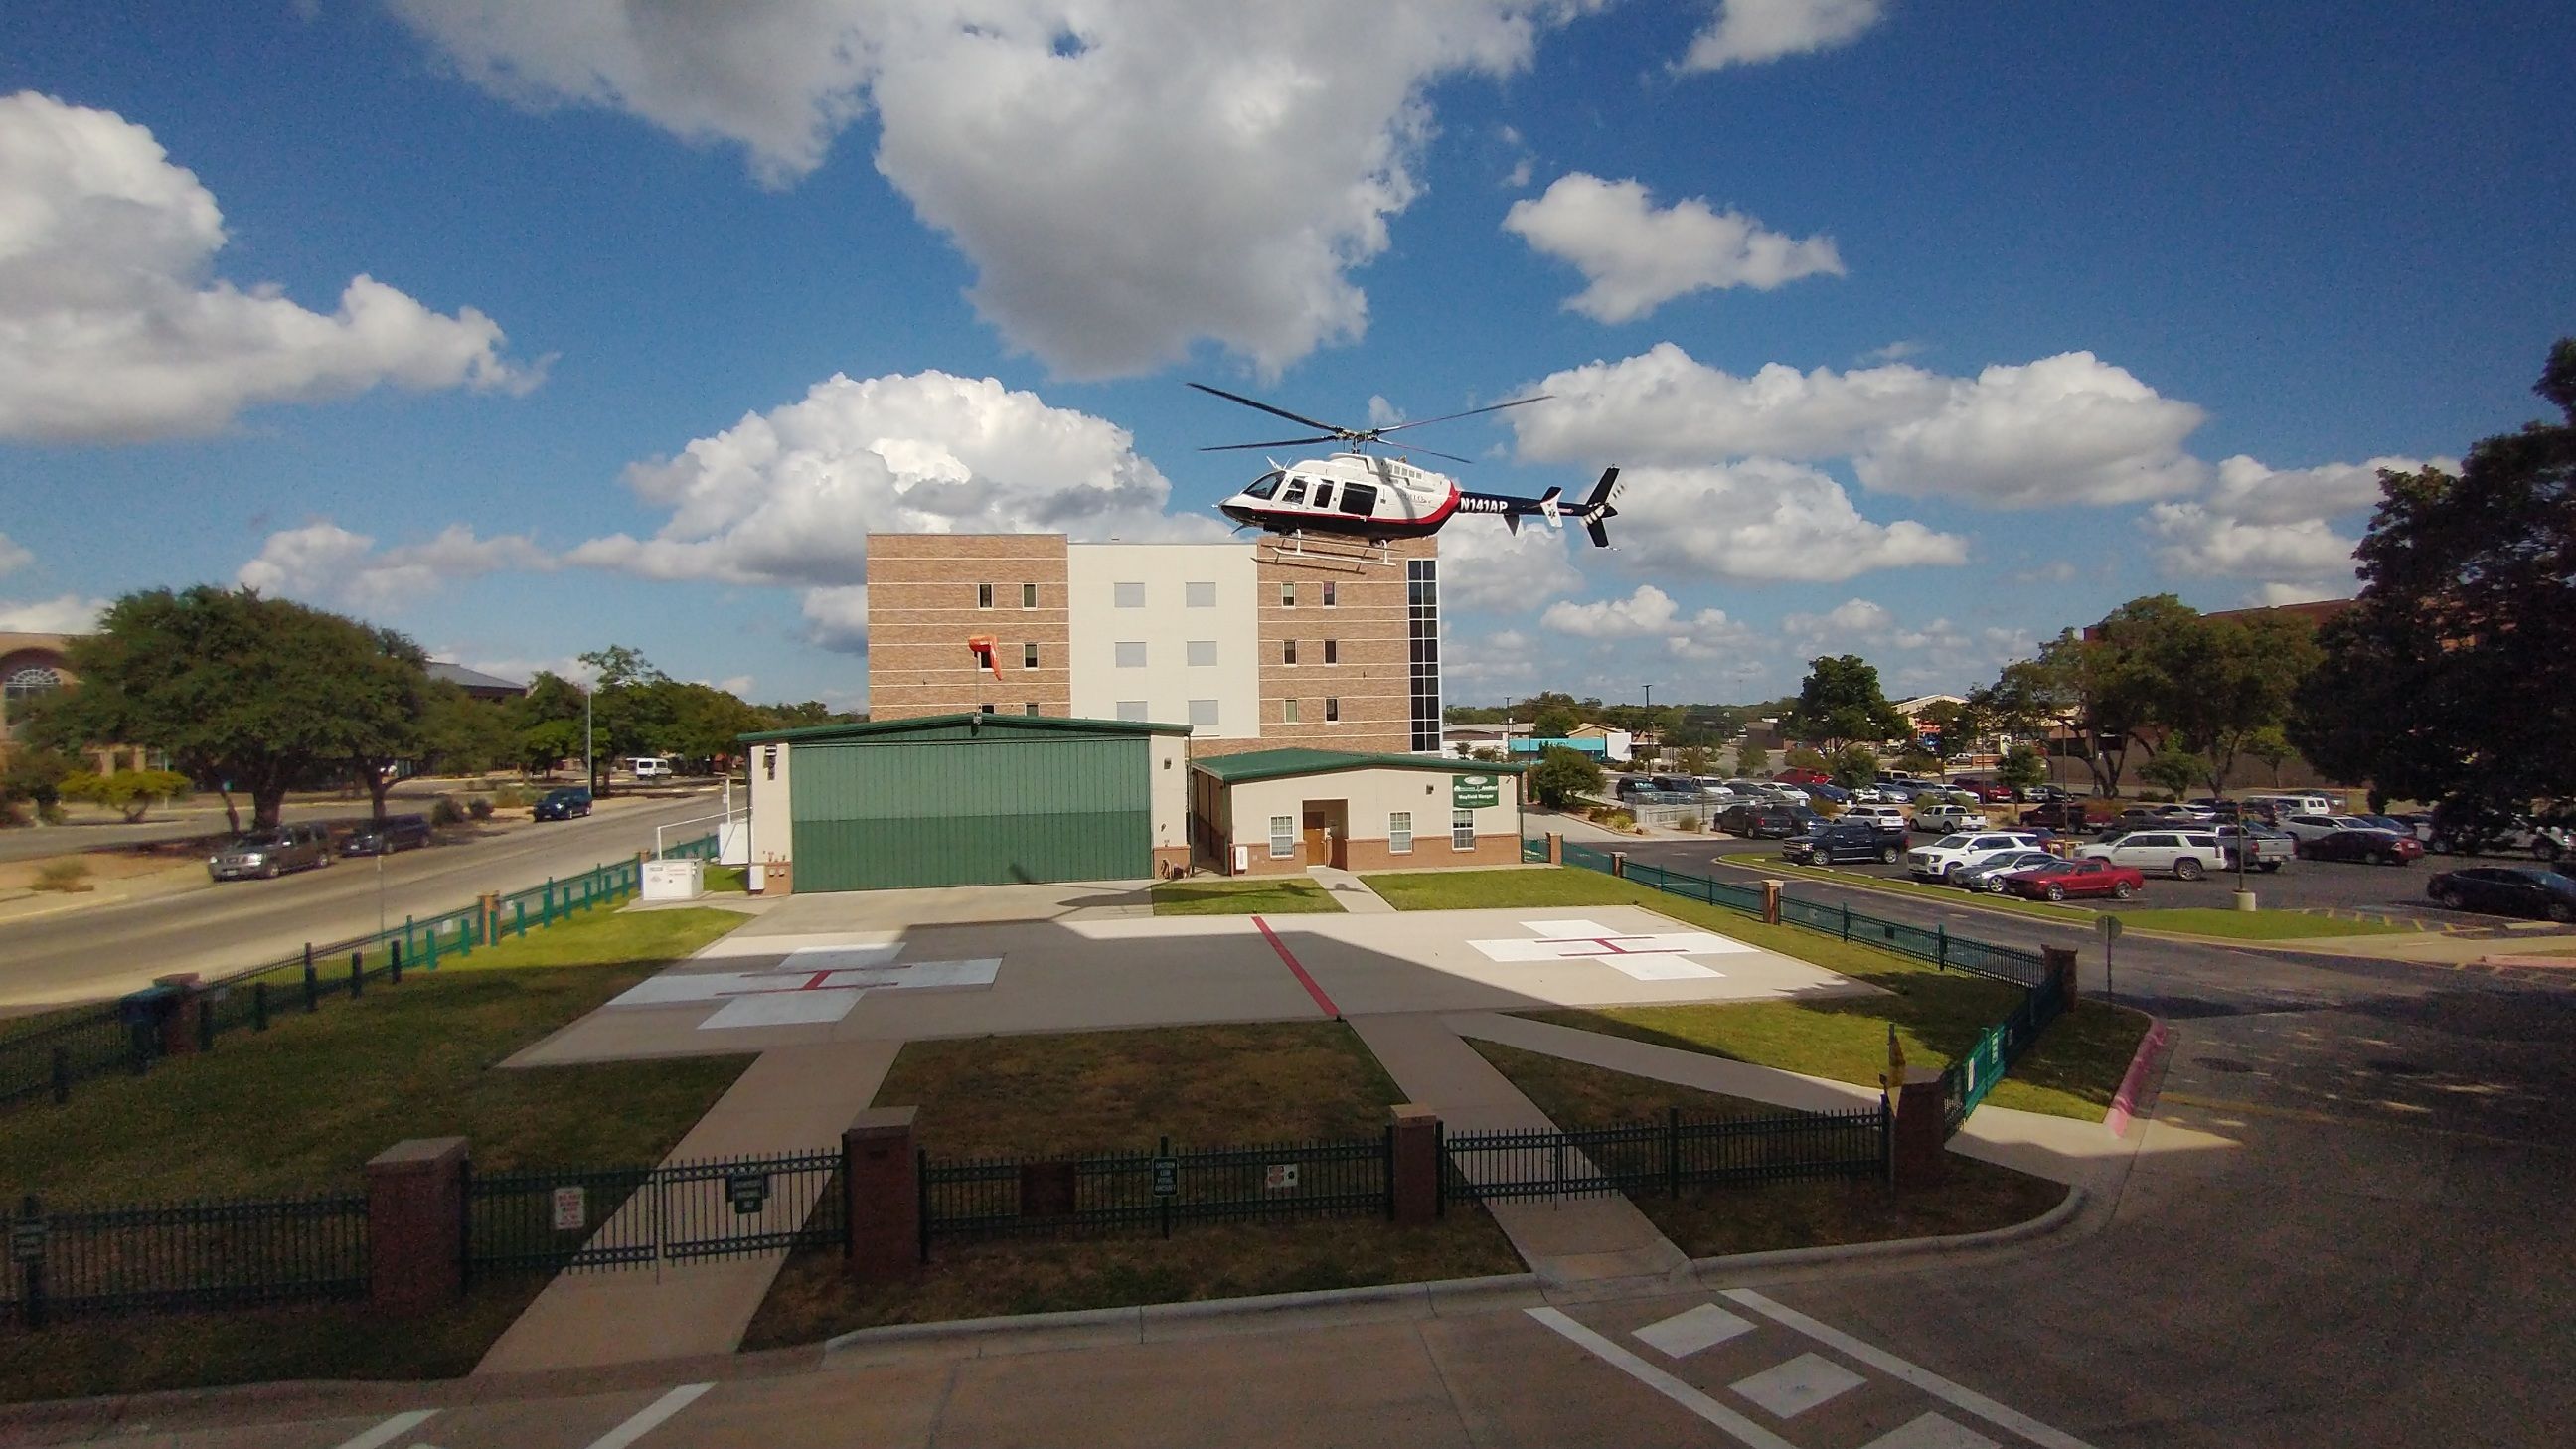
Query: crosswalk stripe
[1744, 1429]
[1921, 1378]
[650, 1417]
[390, 1430]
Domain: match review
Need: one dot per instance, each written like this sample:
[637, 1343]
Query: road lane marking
[1921, 1378]
[1303, 979]
[390, 1430]
[1792, 1388]
[1691, 1330]
[651, 1417]
[1745, 1430]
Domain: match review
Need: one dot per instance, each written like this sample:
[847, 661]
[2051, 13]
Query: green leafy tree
[2272, 747]
[130, 793]
[1751, 758]
[1804, 757]
[1691, 760]
[1855, 766]
[1555, 721]
[380, 718]
[2453, 676]
[2174, 770]
[814, 712]
[2228, 680]
[1561, 774]
[704, 723]
[2021, 767]
[34, 777]
[1952, 722]
[1840, 703]
[462, 735]
[1916, 761]
[547, 722]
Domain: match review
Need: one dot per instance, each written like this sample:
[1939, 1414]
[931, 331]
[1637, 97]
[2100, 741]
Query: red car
[1803, 777]
[2383, 847]
[1988, 791]
[2076, 878]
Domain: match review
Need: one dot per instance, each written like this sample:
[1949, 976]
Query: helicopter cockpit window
[1324, 494]
[1359, 499]
[1296, 491]
[1263, 487]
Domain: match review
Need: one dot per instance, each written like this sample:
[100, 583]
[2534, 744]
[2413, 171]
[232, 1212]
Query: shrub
[444, 812]
[1687, 820]
[131, 793]
[514, 797]
[479, 807]
[63, 875]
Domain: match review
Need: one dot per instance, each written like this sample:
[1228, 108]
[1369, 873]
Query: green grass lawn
[1261, 896]
[1709, 1220]
[1947, 895]
[727, 879]
[1088, 1092]
[1938, 1015]
[2254, 925]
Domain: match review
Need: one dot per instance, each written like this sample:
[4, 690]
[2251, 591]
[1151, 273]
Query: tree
[1840, 703]
[1750, 757]
[703, 722]
[2272, 747]
[1854, 766]
[1919, 762]
[2021, 767]
[1691, 760]
[462, 735]
[250, 692]
[2174, 770]
[2228, 680]
[1801, 757]
[1943, 719]
[35, 776]
[547, 721]
[1561, 774]
[130, 793]
[2453, 676]
[1555, 721]
[380, 716]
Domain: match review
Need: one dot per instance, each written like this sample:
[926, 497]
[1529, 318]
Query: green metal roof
[975, 722]
[1282, 764]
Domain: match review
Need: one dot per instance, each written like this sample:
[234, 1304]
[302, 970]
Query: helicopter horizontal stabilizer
[1512, 524]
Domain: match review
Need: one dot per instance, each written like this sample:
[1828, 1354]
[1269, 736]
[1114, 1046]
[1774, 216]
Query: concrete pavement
[1349, 892]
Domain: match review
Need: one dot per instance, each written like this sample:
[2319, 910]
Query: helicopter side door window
[1324, 495]
[1267, 485]
[1296, 491]
[1359, 499]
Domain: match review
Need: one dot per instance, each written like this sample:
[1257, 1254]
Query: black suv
[384, 837]
[1849, 841]
[1758, 822]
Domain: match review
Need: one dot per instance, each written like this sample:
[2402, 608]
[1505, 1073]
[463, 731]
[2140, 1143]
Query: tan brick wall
[1429, 851]
[922, 610]
[1372, 676]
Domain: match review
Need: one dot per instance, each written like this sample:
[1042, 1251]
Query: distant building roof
[1282, 764]
[475, 681]
[960, 725]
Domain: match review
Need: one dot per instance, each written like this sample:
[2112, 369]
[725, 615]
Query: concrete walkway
[1565, 1240]
[1349, 891]
[793, 1099]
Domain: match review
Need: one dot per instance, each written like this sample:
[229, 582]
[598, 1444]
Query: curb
[2047, 1223]
[2133, 1083]
[1426, 1300]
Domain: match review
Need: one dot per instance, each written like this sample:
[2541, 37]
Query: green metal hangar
[967, 799]
[1279, 811]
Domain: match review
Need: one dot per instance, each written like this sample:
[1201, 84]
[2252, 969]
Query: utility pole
[589, 772]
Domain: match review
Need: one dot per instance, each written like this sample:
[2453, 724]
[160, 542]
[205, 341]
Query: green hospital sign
[1467, 792]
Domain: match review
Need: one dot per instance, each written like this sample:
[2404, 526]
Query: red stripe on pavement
[1303, 979]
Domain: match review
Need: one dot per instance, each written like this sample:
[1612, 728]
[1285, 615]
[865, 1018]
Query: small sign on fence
[572, 1209]
[1167, 1176]
[747, 1191]
[1280, 1177]
[27, 1240]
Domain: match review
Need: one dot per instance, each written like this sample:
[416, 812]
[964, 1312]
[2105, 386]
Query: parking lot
[2299, 885]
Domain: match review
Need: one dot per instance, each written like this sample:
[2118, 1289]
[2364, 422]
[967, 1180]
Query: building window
[1127, 596]
[1199, 596]
[1328, 595]
[1202, 714]
[1028, 656]
[983, 596]
[1399, 833]
[1028, 596]
[29, 682]
[1131, 653]
[1332, 651]
[1288, 595]
[1287, 651]
[1332, 710]
[1462, 830]
[1288, 711]
[986, 709]
[1422, 599]
[1030, 709]
[1283, 836]
[1131, 709]
[1201, 652]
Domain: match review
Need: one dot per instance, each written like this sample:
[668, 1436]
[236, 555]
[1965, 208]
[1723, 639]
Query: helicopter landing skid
[1328, 551]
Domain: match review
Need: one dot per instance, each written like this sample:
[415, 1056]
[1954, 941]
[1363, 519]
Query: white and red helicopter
[1355, 494]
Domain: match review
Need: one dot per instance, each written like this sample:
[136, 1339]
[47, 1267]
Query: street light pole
[589, 772]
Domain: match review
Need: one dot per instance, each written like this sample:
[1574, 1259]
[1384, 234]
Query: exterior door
[1319, 849]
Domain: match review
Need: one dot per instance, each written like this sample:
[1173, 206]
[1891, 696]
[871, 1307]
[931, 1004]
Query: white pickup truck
[1947, 818]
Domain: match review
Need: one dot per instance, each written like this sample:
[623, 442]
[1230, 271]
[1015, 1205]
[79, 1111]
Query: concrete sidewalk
[1566, 1240]
[1349, 891]
[793, 1099]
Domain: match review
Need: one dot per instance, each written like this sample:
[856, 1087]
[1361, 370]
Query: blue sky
[1922, 330]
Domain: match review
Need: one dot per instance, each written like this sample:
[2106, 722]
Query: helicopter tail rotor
[1597, 509]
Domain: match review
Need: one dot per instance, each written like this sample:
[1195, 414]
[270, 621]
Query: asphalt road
[200, 816]
[99, 952]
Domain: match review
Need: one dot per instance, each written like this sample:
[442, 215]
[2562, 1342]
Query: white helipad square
[1792, 1388]
[1640, 956]
[1932, 1431]
[781, 1008]
[1691, 1330]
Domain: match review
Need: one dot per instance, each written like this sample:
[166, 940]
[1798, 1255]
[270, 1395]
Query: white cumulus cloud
[1126, 179]
[789, 496]
[323, 561]
[68, 614]
[2069, 429]
[1748, 32]
[1637, 257]
[1912, 658]
[1763, 520]
[1485, 566]
[13, 556]
[2277, 525]
[112, 328]
[1650, 613]
[837, 617]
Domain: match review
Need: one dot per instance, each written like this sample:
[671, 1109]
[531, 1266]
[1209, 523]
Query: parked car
[1758, 822]
[271, 853]
[563, 804]
[1960, 851]
[1988, 876]
[2066, 815]
[2281, 805]
[1847, 840]
[2446, 835]
[2266, 849]
[1886, 817]
[384, 837]
[2184, 854]
[652, 767]
[1990, 792]
[2513, 890]
[1822, 791]
[2310, 826]
[1945, 818]
[2382, 847]
[2082, 877]
[1801, 777]
[2047, 794]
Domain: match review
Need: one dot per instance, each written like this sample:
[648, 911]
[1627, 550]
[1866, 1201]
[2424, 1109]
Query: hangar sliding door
[884, 814]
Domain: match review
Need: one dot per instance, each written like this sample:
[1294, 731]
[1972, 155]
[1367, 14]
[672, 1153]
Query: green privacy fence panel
[702, 848]
[1965, 1082]
[872, 817]
[1533, 850]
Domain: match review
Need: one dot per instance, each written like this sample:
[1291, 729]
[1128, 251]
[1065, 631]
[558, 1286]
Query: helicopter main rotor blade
[1281, 443]
[1428, 453]
[1469, 413]
[1267, 408]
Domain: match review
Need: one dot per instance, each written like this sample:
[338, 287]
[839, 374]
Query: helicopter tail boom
[1591, 512]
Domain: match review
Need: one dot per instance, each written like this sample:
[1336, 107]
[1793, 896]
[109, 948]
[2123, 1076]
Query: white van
[2284, 805]
[651, 767]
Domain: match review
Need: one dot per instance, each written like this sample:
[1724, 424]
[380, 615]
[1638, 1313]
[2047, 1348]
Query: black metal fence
[1137, 1190]
[184, 1255]
[573, 1219]
[1665, 1157]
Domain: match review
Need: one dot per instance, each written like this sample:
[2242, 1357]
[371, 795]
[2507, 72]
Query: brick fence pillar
[1416, 1183]
[1771, 902]
[881, 1175]
[1555, 848]
[416, 1225]
[179, 1026]
[777, 877]
[1922, 1159]
[2061, 964]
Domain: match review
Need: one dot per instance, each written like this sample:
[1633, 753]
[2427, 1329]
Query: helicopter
[1356, 494]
